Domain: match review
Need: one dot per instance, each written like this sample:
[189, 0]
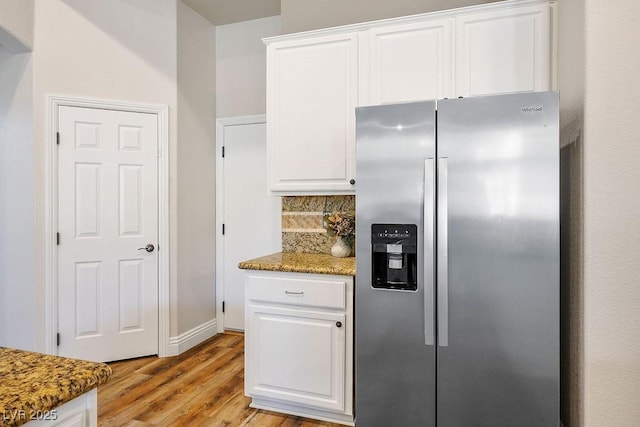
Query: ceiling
[221, 12]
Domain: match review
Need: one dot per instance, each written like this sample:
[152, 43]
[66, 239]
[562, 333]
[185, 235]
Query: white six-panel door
[107, 211]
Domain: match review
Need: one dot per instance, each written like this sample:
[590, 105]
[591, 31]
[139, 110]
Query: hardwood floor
[201, 387]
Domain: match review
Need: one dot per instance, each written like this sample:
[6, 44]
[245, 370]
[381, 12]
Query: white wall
[16, 25]
[303, 15]
[241, 66]
[196, 169]
[18, 317]
[122, 50]
[612, 215]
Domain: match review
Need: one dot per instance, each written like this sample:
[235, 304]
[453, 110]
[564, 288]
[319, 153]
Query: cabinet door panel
[410, 62]
[503, 51]
[296, 356]
[312, 94]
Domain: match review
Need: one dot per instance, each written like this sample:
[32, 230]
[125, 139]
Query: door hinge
[57, 238]
[58, 339]
[223, 306]
[223, 229]
[223, 151]
[57, 138]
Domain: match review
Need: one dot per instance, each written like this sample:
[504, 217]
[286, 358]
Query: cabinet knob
[339, 324]
[352, 181]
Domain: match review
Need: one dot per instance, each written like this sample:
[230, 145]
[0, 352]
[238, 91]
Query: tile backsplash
[302, 228]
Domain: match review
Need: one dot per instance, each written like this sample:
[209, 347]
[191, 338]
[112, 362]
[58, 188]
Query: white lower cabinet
[299, 344]
[79, 412]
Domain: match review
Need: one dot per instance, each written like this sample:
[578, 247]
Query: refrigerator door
[394, 348]
[498, 261]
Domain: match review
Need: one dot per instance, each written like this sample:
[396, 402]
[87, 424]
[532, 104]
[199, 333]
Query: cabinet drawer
[329, 293]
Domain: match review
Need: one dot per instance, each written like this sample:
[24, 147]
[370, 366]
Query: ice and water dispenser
[394, 253]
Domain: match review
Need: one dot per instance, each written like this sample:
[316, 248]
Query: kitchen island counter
[302, 263]
[33, 383]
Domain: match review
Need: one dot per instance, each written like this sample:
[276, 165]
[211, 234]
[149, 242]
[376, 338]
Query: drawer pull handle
[339, 324]
[294, 293]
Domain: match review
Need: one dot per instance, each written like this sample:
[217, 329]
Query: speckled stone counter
[302, 263]
[35, 382]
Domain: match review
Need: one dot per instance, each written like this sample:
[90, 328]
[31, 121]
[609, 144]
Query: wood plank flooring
[201, 387]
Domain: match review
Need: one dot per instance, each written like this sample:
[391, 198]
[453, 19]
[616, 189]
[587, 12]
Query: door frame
[54, 102]
[221, 124]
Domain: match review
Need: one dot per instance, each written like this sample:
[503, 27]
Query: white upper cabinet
[316, 79]
[408, 62]
[506, 50]
[311, 97]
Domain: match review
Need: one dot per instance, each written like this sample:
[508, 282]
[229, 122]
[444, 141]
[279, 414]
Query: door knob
[148, 248]
[339, 324]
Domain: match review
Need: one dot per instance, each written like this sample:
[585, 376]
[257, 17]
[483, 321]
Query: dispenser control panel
[394, 233]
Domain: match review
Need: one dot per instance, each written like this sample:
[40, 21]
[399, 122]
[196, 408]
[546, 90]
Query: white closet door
[251, 217]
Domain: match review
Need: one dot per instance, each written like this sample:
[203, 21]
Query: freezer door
[498, 261]
[395, 337]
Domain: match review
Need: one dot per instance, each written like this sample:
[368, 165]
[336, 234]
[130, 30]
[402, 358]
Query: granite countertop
[302, 263]
[40, 382]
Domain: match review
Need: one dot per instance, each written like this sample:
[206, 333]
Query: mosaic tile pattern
[302, 222]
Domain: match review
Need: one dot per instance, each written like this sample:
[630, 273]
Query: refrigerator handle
[429, 249]
[443, 255]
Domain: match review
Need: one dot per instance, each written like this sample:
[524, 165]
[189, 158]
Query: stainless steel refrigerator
[457, 242]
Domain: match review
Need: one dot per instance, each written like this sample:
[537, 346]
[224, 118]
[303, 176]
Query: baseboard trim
[301, 411]
[192, 337]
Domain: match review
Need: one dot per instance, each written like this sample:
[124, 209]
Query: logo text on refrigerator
[532, 109]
